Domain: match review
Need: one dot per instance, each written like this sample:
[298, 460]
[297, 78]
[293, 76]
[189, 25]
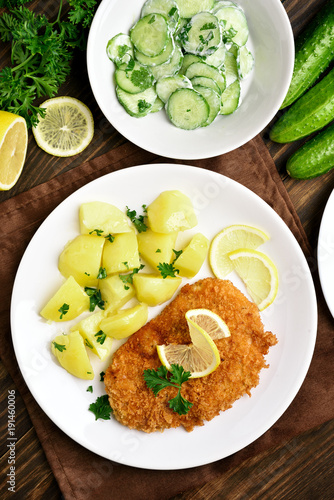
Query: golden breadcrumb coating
[242, 358]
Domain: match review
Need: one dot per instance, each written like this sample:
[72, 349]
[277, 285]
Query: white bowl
[272, 44]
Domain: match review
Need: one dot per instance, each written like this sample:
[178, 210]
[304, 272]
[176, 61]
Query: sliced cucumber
[203, 69]
[222, 3]
[150, 34]
[217, 58]
[134, 80]
[188, 8]
[213, 100]
[167, 8]
[235, 28]
[158, 105]
[230, 68]
[162, 58]
[245, 62]
[188, 59]
[166, 86]
[187, 109]
[201, 35]
[137, 105]
[204, 81]
[171, 67]
[120, 49]
[230, 98]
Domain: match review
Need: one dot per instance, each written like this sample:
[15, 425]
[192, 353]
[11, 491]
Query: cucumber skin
[314, 52]
[310, 113]
[314, 158]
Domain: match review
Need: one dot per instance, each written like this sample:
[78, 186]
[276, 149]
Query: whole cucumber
[310, 113]
[314, 52]
[314, 158]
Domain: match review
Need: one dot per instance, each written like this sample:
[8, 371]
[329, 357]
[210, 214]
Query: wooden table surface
[302, 468]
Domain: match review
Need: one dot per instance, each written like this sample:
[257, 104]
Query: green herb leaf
[128, 278]
[89, 389]
[177, 254]
[98, 232]
[167, 269]
[110, 238]
[95, 299]
[60, 347]
[102, 274]
[101, 337]
[102, 374]
[137, 221]
[88, 344]
[63, 310]
[101, 408]
[158, 380]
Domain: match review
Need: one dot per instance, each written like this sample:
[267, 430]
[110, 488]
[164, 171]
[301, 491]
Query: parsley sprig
[161, 378]
[128, 278]
[41, 53]
[137, 221]
[101, 408]
[167, 269]
[95, 299]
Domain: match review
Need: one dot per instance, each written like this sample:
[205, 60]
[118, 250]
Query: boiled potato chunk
[193, 256]
[114, 293]
[156, 247]
[122, 254]
[72, 355]
[81, 258]
[69, 301]
[153, 289]
[98, 215]
[171, 211]
[125, 322]
[94, 338]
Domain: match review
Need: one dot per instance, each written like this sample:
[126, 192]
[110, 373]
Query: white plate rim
[325, 251]
[295, 386]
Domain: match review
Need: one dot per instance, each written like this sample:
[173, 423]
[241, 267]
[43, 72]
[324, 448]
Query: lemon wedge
[229, 239]
[13, 148]
[66, 129]
[201, 357]
[259, 274]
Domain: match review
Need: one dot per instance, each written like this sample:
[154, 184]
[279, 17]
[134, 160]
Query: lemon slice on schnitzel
[229, 239]
[210, 322]
[259, 274]
[201, 357]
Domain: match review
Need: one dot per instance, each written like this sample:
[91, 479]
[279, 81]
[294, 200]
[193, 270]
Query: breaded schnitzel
[242, 358]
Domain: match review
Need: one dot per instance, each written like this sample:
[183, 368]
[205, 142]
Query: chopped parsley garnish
[142, 78]
[102, 374]
[229, 34]
[144, 207]
[172, 11]
[160, 379]
[98, 232]
[137, 221]
[101, 408]
[128, 278]
[110, 238]
[60, 347]
[89, 389]
[167, 270]
[88, 344]
[102, 274]
[158, 250]
[208, 26]
[177, 254]
[100, 337]
[95, 299]
[63, 310]
[126, 264]
[122, 50]
[130, 65]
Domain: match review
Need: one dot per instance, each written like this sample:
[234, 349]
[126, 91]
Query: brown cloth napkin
[80, 473]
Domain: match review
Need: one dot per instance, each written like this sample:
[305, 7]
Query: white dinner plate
[325, 253]
[219, 202]
[272, 44]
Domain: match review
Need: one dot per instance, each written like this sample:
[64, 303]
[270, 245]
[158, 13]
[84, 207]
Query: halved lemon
[259, 274]
[229, 239]
[66, 129]
[201, 357]
[13, 148]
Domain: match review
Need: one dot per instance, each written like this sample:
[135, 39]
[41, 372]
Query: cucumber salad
[188, 57]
